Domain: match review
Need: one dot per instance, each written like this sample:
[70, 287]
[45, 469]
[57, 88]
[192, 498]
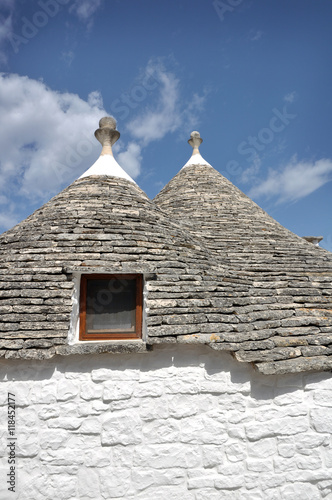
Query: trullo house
[177, 348]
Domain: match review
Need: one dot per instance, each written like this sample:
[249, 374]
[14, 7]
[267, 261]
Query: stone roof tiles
[105, 225]
[218, 270]
[290, 298]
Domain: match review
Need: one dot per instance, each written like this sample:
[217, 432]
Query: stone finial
[195, 141]
[313, 239]
[107, 134]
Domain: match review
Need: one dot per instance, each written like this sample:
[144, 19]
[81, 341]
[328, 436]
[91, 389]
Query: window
[110, 306]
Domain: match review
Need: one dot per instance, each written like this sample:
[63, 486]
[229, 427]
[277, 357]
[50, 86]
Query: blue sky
[253, 76]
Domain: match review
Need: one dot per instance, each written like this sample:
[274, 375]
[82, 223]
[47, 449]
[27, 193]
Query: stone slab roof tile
[124, 233]
[218, 269]
[291, 278]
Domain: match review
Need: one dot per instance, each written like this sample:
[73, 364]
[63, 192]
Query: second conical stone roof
[291, 291]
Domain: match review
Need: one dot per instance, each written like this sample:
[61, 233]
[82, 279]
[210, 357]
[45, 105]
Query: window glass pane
[111, 305]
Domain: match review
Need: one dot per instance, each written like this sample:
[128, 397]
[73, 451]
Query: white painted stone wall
[179, 423]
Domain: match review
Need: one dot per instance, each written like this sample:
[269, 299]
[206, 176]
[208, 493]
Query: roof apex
[107, 135]
[196, 159]
[107, 165]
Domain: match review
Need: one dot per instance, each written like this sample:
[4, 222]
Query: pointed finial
[107, 134]
[195, 141]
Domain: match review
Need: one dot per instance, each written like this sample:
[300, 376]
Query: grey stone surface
[218, 270]
[110, 347]
[288, 294]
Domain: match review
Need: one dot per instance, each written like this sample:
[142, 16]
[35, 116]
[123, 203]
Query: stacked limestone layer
[217, 270]
[106, 225]
[287, 325]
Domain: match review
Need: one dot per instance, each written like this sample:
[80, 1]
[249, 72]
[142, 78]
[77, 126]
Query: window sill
[103, 346]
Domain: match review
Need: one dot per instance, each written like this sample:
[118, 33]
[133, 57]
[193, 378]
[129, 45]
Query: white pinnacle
[107, 135]
[196, 159]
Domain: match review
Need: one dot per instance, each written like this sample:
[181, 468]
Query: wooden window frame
[83, 335]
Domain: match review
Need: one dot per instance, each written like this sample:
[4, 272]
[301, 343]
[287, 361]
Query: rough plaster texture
[180, 422]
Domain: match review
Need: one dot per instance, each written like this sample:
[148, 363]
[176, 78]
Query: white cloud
[46, 137]
[251, 172]
[86, 8]
[95, 99]
[169, 113]
[294, 181]
[156, 122]
[47, 141]
[290, 97]
[131, 159]
[68, 57]
[172, 112]
[190, 115]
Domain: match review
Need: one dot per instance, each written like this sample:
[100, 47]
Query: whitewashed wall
[177, 423]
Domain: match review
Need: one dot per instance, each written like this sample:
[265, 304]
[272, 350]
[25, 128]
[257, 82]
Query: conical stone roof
[105, 224]
[217, 269]
[234, 227]
[291, 279]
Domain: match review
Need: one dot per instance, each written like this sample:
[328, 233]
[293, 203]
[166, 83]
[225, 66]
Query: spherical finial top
[108, 122]
[107, 134]
[195, 141]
